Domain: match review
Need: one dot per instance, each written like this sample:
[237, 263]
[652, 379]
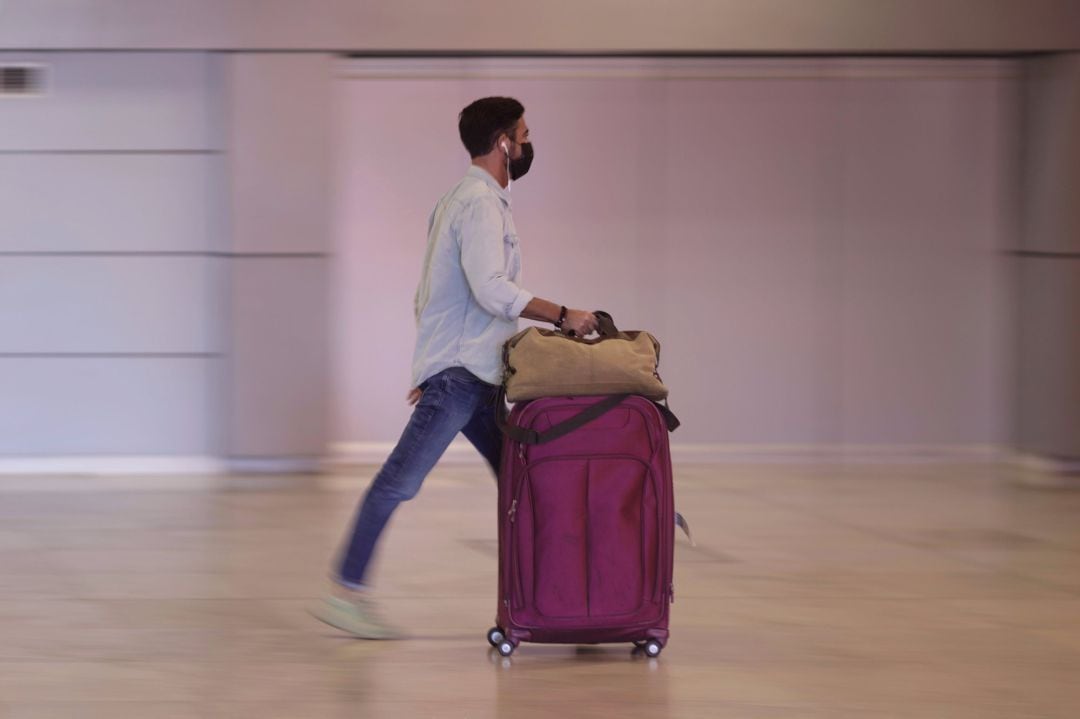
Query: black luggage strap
[670, 419]
[531, 436]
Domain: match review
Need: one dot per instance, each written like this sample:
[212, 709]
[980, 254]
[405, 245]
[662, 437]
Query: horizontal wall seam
[112, 152]
[1045, 254]
[643, 67]
[111, 355]
[167, 253]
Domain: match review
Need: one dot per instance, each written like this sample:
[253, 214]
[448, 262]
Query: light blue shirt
[469, 301]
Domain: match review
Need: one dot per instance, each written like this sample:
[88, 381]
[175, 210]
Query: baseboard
[96, 466]
[274, 465]
[853, 453]
[99, 466]
[155, 474]
[345, 454]
[462, 453]
[1046, 472]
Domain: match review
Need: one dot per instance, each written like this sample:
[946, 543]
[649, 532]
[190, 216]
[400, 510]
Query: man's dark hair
[484, 120]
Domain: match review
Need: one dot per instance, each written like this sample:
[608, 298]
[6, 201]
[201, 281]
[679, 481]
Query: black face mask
[521, 165]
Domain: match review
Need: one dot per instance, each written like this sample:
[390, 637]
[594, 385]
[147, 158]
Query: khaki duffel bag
[546, 363]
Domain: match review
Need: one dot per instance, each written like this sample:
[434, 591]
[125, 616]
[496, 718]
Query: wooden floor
[904, 590]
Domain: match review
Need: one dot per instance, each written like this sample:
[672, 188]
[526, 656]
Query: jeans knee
[394, 491]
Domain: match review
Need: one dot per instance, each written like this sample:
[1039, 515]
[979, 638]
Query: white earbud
[505, 148]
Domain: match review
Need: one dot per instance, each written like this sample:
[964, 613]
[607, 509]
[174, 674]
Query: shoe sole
[343, 623]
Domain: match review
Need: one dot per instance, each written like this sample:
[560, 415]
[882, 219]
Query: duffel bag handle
[607, 325]
[607, 328]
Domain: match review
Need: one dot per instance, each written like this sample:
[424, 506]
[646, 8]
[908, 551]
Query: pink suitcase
[586, 525]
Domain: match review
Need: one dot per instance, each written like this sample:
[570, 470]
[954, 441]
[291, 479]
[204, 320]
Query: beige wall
[1049, 247]
[279, 114]
[850, 26]
[110, 290]
[818, 245]
[163, 257]
[223, 158]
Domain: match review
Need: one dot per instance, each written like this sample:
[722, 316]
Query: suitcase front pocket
[585, 539]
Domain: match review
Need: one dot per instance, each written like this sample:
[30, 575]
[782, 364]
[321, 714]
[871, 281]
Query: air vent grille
[21, 80]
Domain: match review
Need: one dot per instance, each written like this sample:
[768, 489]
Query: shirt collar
[482, 174]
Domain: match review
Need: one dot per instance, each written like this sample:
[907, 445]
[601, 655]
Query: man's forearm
[541, 310]
[575, 322]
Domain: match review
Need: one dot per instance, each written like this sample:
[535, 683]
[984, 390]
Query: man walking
[467, 305]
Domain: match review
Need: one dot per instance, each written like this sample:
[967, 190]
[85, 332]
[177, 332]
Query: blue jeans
[454, 401]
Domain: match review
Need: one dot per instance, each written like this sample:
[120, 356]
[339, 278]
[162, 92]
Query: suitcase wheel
[650, 647]
[495, 637]
[505, 648]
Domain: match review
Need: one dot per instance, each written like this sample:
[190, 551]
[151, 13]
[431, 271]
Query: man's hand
[580, 322]
[414, 396]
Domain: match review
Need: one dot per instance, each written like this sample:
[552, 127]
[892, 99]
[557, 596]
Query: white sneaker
[357, 616]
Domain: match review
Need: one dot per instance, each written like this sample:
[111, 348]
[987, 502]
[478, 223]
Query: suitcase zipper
[513, 511]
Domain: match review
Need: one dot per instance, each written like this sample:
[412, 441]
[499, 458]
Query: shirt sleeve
[483, 258]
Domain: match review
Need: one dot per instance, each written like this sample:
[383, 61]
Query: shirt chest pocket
[511, 251]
